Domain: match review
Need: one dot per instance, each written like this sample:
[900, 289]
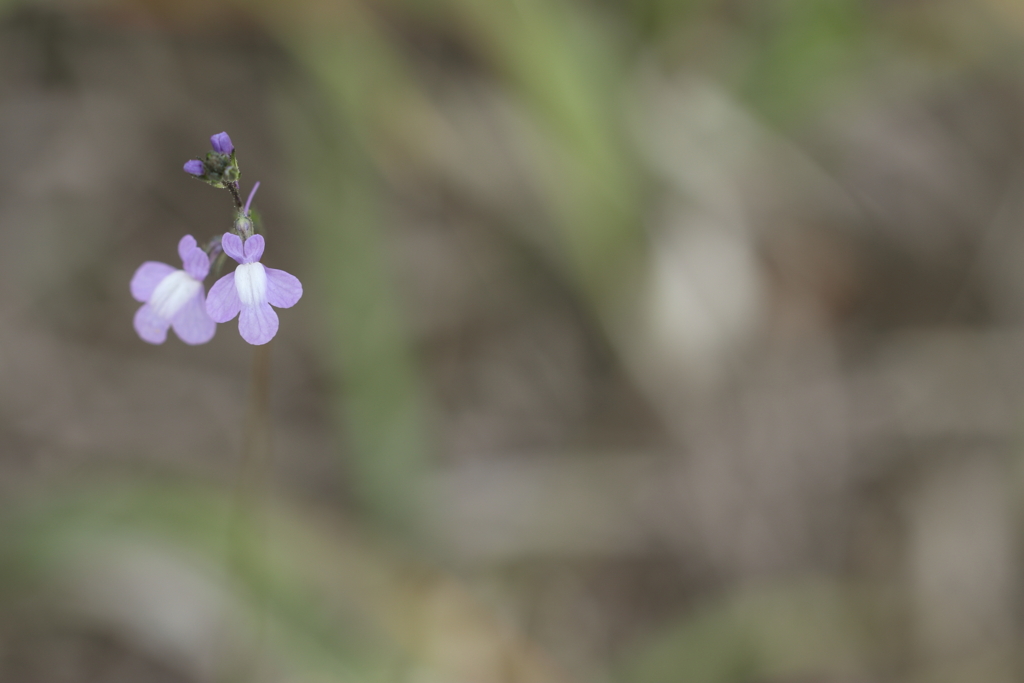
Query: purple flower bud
[195, 167]
[222, 143]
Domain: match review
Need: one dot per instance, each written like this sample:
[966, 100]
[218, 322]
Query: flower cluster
[220, 167]
[175, 298]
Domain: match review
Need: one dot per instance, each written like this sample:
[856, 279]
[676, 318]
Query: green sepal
[221, 169]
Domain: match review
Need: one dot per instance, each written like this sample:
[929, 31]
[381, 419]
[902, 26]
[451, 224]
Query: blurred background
[643, 341]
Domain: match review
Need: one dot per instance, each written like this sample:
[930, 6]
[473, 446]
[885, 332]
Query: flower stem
[233, 189]
[256, 443]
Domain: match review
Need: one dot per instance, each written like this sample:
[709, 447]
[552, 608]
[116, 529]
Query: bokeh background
[643, 341]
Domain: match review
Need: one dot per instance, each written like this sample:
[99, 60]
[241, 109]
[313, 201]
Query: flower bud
[220, 166]
[222, 143]
[243, 225]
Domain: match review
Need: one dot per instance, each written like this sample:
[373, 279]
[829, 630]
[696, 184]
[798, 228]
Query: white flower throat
[251, 283]
[173, 292]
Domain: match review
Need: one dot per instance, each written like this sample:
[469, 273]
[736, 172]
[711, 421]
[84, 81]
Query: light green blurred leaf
[339, 194]
[316, 598]
[799, 50]
[810, 628]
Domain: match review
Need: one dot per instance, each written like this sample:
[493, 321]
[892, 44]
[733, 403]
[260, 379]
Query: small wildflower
[174, 298]
[251, 290]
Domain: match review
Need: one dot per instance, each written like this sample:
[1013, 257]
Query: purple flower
[222, 143]
[195, 167]
[174, 298]
[251, 290]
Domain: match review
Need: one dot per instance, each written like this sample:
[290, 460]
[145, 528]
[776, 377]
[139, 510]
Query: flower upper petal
[151, 327]
[192, 323]
[146, 279]
[232, 245]
[257, 324]
[283, 289]
[197, 263]
[254, 248]
[185, 245]
[222, 303]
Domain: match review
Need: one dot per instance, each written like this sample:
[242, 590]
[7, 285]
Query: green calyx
[221, 169]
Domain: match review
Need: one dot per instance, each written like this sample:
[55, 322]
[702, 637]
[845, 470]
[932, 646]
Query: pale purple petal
[253, 248]
[195, 167]
[222, 143]
[197, 263]
[151, 327]
[192, 324]
[283, 289]
[232, 246]
[257, 324]
[147, 277]
[222, 303]
[185, 245]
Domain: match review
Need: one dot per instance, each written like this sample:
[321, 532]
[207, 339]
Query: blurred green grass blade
[568, 68]
[655, 19]
[799, 51]
[382, 394]
[771, 633]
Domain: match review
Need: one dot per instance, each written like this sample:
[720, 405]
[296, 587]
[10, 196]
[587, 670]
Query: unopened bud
[221, 142]
[195, 167]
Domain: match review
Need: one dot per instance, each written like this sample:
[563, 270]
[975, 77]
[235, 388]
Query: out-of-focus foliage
[300, 600]
[762, 634]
